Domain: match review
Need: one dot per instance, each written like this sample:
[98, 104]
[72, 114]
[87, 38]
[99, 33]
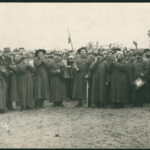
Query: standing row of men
[28, 79]
[115, 77]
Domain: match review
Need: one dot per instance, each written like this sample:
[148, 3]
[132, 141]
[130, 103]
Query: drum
[138, 83]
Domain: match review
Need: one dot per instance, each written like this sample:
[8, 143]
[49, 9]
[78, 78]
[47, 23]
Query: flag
[97, 43]
[69, 39]
[110, 45]
[135, 43]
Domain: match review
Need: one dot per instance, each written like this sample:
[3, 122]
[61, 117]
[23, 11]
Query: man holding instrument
[139, 75]
[81, 69]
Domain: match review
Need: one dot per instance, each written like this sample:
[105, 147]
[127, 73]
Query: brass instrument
[138, 83]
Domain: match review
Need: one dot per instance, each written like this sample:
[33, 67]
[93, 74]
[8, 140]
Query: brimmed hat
[19, 54]
[109, 52]
[52, 53]
[115, 49]
[16, 50]
[71, 56]
[57, 54]
[7, 49]
[68, 52]
[40, 50]
[82, 48]
[104, 52]
[138, 53]
[21, 48]
[146, 50]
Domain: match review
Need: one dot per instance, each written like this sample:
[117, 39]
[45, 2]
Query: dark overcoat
[3, 86]
[25, 81]
[57, 82]
[79, 77]
[118, 83]
[41, 81]
[99, 86]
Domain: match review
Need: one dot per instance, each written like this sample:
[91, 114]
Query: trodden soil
[71, 127]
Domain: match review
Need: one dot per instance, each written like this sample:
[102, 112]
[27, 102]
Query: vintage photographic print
[75, 75]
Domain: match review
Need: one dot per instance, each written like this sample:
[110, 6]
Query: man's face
[104, 55]
[51, 55]
[64, 56]
[119, 56]
[124, 51]
[109, 55]
[95, 51]
[90, 55]
[15, 53]
[7, 54]
[40, 54]
[131, 52]
[139, 57]
[30, 55]
[71, 59]
[21, 49]
[148, 53]
[83, 52]
[71, 53]
[57, 57]
[18, 57]
[12, 56]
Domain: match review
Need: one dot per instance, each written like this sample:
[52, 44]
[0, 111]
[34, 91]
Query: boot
[55, 104]
[2, 111]
[41, 103]
[61, 104]
[79, 104]
[28, 107]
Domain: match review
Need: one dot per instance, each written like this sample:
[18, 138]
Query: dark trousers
[130, 94]
[139, 96]
[69, 83]
[39, 102]
[8, 99]
[147, 99]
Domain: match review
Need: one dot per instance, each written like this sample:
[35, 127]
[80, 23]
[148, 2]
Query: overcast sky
[44, 25]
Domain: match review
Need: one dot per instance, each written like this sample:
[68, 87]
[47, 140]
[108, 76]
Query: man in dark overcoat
[81, 69]
[41, 81]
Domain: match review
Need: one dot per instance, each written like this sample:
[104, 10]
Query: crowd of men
[115, 77]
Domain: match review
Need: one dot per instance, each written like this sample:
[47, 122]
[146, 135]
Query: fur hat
[82, 48]
[40, 50]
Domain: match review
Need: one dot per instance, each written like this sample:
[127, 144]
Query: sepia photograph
[75, 75]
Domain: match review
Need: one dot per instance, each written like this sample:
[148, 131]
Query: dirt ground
[72, 127]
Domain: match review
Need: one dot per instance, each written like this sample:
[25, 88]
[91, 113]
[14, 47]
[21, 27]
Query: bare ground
[71, 127]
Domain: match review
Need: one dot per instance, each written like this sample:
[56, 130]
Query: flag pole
[70, 40]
